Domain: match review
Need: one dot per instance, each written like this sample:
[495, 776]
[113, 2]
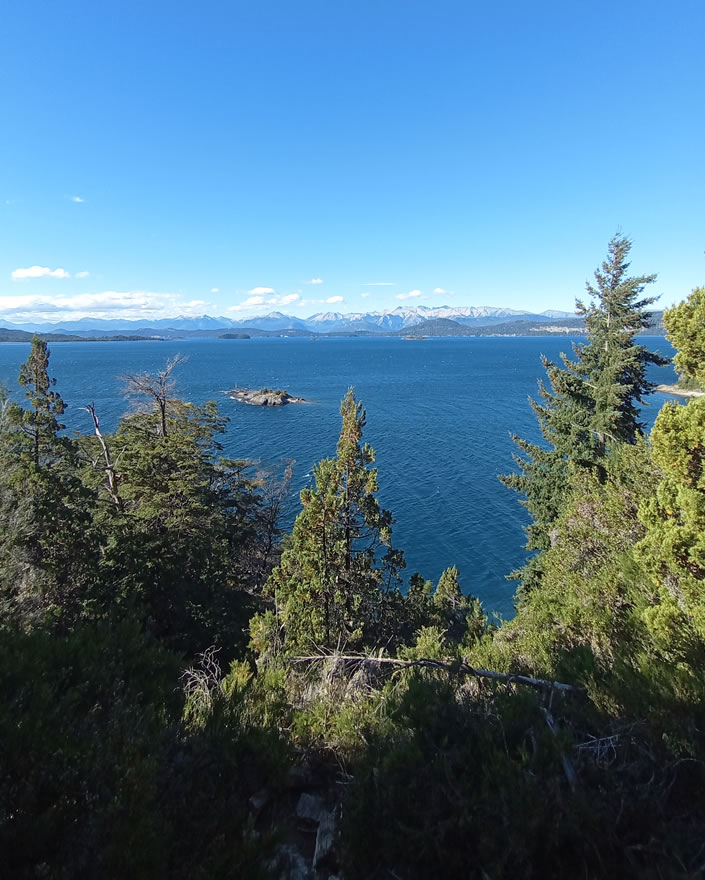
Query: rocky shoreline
[263, 396]
[681, 392]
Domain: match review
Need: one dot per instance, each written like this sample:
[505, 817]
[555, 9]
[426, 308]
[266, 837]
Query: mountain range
[388, 320]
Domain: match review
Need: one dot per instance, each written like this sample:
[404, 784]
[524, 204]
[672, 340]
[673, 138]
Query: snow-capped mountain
[398, 318]
[321, 322]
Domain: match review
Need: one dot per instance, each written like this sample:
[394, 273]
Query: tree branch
[448, 666]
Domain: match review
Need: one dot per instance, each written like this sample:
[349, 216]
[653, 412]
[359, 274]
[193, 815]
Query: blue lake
[439, 416]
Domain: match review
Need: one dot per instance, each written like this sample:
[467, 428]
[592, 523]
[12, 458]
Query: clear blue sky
[185, 154]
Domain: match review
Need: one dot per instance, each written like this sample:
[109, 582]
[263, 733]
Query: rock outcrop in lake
[264, 396]
[680, 391]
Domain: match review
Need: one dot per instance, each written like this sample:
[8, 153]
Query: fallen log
[453, 666]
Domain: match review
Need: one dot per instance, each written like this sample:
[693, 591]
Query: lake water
[439, 416]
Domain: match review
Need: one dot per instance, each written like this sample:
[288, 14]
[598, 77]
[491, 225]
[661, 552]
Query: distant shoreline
[23, 337]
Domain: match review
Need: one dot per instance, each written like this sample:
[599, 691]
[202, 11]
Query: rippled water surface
[439, 415]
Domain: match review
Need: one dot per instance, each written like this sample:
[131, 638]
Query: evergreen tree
[685, 324]
[181, 524]
[612, 363]
[39, 422]
[419, 601]
[674, 545]
[460, 616]
[592, 401]
[448, 594]
[49, 547]
[327, 585]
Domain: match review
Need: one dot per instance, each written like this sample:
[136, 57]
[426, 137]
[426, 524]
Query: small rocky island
[263, 396]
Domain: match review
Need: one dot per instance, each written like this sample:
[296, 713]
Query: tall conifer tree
[48, 544]
[592, 402]
[327, 586]
[39, 422]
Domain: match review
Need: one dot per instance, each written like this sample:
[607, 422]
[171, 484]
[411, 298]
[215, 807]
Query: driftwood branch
[446, 665]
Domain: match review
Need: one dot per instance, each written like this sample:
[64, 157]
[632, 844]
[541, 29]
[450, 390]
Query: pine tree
[327, 585]
[39, 422]
[49, 546]
[612, 363]
[448, 594]
[592, 401]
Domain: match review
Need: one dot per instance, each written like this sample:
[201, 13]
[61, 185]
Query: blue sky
[160, 158]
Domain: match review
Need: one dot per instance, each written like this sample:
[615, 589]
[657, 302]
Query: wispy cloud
[77, 199]
[380, 284]
[82, 274]
[412, 294]
[332, 300]
[130, 304]
[39, 272]
[314, 281]
[441, 291]
[365, 294]
[261, 297]
[215, 290]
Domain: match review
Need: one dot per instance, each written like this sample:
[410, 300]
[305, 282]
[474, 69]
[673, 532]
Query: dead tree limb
[446, 665]
[158, 386]
[111, 474]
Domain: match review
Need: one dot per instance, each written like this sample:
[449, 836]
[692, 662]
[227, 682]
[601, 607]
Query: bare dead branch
[157, 385]
[111, 474]
[446, 665]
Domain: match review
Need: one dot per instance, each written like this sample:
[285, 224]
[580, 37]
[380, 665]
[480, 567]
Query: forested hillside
[187, 692]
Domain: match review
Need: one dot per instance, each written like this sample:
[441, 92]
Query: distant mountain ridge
[322, 322]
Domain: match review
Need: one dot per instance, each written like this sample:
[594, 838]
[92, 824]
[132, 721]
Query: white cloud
[259, 300]
[412, 294]
[380, 284]
[130, 304]
[215, 290]
[39, 272]
[82, 274]
[440, 291]
[364, 294]
[258, 290]
[314, 281]
[249, 303]
[335, 299]
[77, 199]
